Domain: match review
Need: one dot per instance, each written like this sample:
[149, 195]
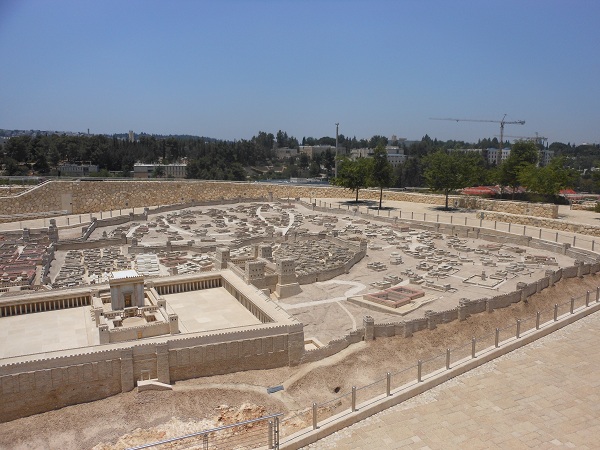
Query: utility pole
[337, 125]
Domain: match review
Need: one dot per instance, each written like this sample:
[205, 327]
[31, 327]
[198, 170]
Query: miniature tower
[255, 273]
[287, 284]
[222, 258]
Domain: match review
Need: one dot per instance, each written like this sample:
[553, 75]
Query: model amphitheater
[108, 287]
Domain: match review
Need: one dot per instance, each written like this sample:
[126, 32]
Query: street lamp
[336, 148]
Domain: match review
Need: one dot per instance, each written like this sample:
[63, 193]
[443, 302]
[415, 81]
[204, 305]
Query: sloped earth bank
[132, 419]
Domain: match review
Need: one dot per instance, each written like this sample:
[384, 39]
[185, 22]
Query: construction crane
[501, 122]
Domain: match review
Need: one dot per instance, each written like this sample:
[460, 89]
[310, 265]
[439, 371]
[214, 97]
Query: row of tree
[446, 171]
[256, 158]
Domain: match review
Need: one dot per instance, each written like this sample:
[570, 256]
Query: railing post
[509, 224]
[419, 368]
[597, 294]
[465, 221]
[447, 358]
[495, 224]
[518, 328]
[587, 299]
[270, 435]
[473, 343]
[497, 339]
[537, 320]
[205, 442]
[555, 312]
[276, 434]
[524, 229]
[451, 219]
[438, 218]
[572, 304]
[593, 242]
[388, 386]
[540, 237]
[557, 236]
[412, 215]
[353, 398]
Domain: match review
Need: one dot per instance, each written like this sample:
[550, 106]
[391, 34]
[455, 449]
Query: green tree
[314, 169]
[382, 172]
[523, 154]
[548, 180]
[448, 171]
[158, 172]
[303, 161]
[353, 175]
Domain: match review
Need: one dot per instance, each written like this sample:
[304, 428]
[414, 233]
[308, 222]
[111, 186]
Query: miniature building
[222, 257]
[126, 289]
[287, 284]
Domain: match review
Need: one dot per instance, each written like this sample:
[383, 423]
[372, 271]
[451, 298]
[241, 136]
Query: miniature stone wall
[333, 347]
[55, 383]
[465, 309]
[541, 222]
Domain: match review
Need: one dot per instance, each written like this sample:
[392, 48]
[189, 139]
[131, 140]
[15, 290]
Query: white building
[76, 170]
[170, 170]
[395, 155]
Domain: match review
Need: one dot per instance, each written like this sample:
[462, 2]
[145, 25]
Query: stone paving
[544, 395]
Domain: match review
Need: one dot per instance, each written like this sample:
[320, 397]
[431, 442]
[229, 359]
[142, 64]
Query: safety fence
[262, 432]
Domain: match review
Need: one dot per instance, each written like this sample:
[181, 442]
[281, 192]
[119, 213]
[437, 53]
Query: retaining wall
[80, 197]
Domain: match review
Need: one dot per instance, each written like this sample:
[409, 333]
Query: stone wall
[540, 222]
[333, 347]
[465, 309]
[44, 384]
[81, 197]
[27, 389]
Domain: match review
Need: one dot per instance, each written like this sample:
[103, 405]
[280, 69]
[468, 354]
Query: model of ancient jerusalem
[245, 311]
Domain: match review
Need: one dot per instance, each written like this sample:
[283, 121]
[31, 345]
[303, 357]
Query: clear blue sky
[228, 69]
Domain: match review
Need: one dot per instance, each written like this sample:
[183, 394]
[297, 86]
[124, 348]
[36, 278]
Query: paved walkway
[544, 395]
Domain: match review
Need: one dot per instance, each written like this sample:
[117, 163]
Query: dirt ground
[136, 418]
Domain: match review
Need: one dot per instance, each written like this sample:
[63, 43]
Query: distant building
[286, 152]
[76, 170]
[314, 150]
[395, 154]
[544, 157]
[131, 136]
[170, 170]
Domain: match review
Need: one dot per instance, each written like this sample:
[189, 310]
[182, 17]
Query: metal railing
[250, 434]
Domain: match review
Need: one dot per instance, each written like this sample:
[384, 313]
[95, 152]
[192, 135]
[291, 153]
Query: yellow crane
[501, 122]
